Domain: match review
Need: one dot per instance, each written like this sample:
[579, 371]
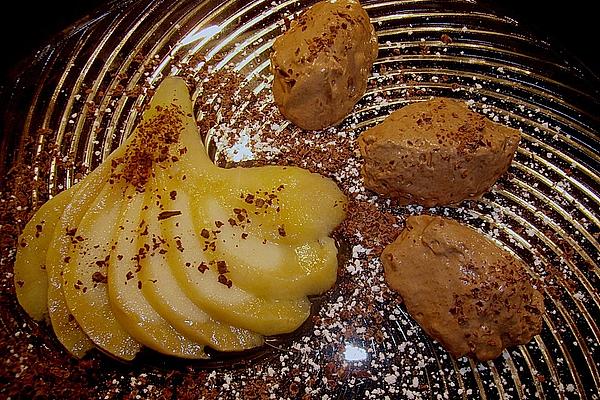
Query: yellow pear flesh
[31, 278]
[166, 295]
[65, 327]
[199, 278]
[128, 304]
[85, 277]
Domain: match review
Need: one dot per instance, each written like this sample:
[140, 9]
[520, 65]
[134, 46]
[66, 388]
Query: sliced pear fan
[86, 275]
[166, 295]
[129, 305]
[160, 248]
[200, 279]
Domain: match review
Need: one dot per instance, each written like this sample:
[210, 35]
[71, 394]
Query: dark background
[570, 24]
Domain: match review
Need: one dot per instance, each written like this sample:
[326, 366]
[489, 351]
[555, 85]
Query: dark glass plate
[81, 95]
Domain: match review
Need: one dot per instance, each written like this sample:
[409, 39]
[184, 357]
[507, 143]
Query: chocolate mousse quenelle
[321, 64]
[436, 152]
[464, 291]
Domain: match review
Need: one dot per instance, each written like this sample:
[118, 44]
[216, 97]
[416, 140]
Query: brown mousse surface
[464, 291]
[436, 152]
[321, 64]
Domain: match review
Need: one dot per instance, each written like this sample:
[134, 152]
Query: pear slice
[31, 278]
[307, 205]
[193, 160]
[165, 294]
[131, 309]
[199, 278]
[264, 267]
[66, 328]
[85, 274]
